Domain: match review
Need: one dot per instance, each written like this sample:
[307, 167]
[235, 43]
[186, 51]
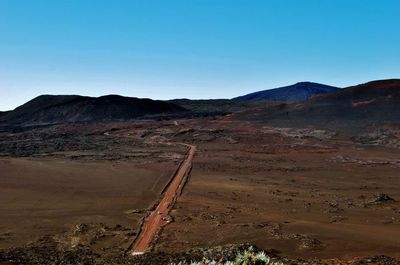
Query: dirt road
[159, 216]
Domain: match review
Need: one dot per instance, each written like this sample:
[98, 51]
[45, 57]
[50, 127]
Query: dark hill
[296, 92]
[218, 105]
[2, 113]
[373, 103]
[48, 109]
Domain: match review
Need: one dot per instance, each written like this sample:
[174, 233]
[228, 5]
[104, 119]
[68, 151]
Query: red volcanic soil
[319, 192]
[55, 196]
[383, 91]
[299, 192]
[160, 215]
[362, 103]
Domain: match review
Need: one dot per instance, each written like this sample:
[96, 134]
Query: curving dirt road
[159, 216]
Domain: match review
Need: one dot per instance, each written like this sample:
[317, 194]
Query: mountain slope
[376, 102]
[217, 105]
[2, 113]
[57, 109]
[296, 92]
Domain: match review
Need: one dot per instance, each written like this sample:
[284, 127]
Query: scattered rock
[382, 198]
[312, 244]
[337, 218]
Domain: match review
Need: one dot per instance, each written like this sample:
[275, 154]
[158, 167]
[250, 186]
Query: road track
[160, 216]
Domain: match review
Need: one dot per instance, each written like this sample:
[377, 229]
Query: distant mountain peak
[295, 92]
[360, 106]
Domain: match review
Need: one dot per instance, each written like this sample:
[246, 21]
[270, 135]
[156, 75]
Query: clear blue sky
[191, 48]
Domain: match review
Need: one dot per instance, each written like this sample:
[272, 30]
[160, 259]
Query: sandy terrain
[79, 199]
[299, 195]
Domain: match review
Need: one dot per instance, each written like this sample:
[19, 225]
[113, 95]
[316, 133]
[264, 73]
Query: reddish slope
[372, 103]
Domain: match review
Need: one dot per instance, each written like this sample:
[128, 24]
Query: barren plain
[299, 193]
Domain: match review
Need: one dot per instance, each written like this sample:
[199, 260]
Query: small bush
[247, 257]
